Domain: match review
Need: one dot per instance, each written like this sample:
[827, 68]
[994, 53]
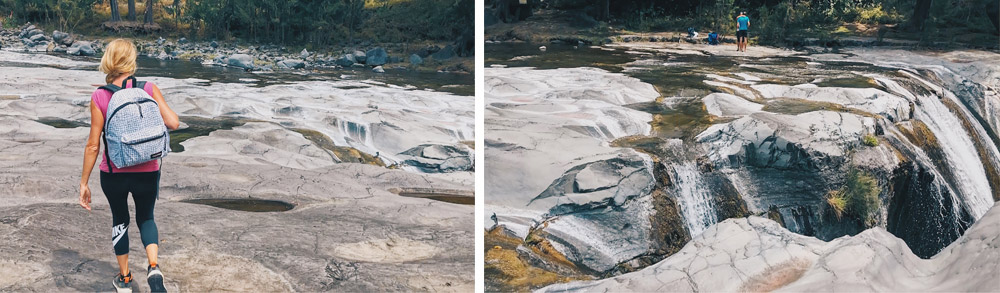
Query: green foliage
[66, 15]
[837, 201]
[870, 140]
[324, 22]
[315, 22]
[858, 198]
[861, 191]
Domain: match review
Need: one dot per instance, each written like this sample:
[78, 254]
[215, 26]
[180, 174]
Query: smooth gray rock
[376, 57]
[757, 254]
[62, 38]
[304, 54]
[346, 60]
[359, 56]
[536, 158]
[378, 69]
[383, 241]
[444, 54]
[292, 64]
[416, 60]
[240, 60]
[439, 158]
[81, 48]
[214, 44]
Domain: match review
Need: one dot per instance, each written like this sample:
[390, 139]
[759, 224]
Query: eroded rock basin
[771, 133]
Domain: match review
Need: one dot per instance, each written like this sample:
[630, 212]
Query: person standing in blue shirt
[742, 24]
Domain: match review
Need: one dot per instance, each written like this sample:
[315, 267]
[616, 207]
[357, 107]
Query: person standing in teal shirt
[742, 24]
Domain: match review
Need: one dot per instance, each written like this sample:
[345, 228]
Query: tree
[149, 11]
[131, 10]
[921, 10]
[115, 16]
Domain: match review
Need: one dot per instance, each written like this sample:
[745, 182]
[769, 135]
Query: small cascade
[969, 174]
[695, 200]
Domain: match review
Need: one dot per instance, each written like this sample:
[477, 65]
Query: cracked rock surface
[549, 157]
[347, 231]
[757, 254]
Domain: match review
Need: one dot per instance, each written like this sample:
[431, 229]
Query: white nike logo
[117, 232]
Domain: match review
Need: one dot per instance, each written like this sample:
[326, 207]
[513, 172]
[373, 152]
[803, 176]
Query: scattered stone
[240, 60]
[360, 57]
[542, 48]
[377, 57]
[81, 48]
[291, 64]
[214, 44]
[304, 54]
[182, 41]
[62, 38]
[444, 54]
[345, 61]
[378, 69]
[416, 60]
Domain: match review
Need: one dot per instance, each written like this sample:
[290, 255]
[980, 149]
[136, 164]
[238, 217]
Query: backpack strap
[111, 88]
[107, 157]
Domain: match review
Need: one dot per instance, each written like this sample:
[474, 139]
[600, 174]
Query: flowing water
[960, 184]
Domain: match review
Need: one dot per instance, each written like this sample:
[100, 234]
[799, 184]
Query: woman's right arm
[90, 153]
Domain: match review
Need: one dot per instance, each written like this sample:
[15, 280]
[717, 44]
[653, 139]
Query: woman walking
[141, 180]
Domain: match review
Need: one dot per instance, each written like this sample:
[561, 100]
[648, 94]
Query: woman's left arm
[169, 117]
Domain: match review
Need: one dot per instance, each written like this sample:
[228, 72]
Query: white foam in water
[694, 198]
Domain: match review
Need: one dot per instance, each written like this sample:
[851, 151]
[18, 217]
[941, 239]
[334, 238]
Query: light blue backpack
[134, 132]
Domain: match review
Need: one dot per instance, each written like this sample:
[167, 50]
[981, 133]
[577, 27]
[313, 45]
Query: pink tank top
[101, 98]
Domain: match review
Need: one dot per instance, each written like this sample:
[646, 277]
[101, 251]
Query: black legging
[144, 188]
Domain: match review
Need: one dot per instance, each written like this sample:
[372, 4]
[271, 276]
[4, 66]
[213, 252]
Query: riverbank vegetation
[858, 198]
[315, 22]
[788, 22]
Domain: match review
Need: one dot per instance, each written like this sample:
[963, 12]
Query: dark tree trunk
[131, 10]
[606, 10]
[149, 11]
[115, 16]
[921, 10]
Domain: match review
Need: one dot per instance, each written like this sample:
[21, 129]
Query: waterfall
[960, 152]
[694, 198]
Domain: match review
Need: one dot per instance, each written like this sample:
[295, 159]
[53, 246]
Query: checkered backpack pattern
[134, 132]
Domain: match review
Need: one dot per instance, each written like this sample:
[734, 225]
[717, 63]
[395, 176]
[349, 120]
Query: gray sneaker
[123, 284]
[155, 279]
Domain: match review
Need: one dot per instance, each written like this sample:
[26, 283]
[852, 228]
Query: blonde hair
[119, 58]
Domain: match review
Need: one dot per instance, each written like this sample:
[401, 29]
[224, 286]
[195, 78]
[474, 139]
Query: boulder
[182, 41]
[377, 57]
[428, 50]
[240, 60]
[160, 41]
[214, 44]
[447, 53]
[304, 54]
[416, 60]
[378, 69]
[37, 38]
[345, 61]
[81, 48]
[359, 56]
[292, 64]
[62, 38]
